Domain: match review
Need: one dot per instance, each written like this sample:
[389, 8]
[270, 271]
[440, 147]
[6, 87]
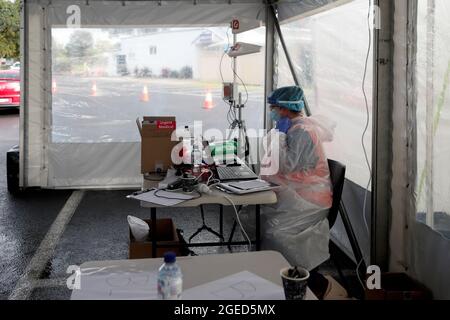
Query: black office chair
[337, 176]
[317, 282]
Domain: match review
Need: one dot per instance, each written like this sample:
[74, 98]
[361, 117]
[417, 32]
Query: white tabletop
[199, 269]
[217, 197]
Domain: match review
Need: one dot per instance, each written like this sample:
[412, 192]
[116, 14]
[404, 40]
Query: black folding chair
[337, 176]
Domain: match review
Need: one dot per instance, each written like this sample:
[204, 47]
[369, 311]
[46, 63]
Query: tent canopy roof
[175, 12]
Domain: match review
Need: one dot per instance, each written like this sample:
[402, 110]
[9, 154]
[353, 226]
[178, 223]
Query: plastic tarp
[420, 232]
[430, 221]
[332, 81]
[84, 137]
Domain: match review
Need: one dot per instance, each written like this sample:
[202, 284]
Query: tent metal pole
[23, 141]
[411, 129]
[382, 154]
[288, 57]
[431, 8]
[235, 85]
[269, 65]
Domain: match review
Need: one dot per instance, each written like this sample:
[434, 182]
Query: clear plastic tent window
[104, 78]
[332, 81]
[126, 59]
[433, 115]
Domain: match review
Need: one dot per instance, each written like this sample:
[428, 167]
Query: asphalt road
[24, 220]
[105, 109]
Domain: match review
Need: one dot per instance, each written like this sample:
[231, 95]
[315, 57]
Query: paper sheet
[117, 286]
[240, 286]
[164, 198]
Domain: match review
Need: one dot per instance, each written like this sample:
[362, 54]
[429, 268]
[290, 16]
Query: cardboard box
[156, 143]
[166, 234]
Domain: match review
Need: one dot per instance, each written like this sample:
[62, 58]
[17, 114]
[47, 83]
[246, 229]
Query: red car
[9, 88]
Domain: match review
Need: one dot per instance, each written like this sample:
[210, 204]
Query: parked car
[15, 66]
[9, 88]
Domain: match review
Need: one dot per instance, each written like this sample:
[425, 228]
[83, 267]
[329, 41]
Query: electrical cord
[364, 135]
[202, 173]
[231, 115]
[245, 87]
[204, 188]
[170, 198]
[243, 84]
[239, 222]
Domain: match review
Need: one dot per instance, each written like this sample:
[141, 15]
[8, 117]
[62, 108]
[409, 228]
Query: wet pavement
[24, 220]
[98, 229]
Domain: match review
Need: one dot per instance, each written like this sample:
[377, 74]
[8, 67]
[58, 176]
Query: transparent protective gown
[297, 224]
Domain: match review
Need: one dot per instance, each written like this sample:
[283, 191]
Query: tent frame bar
[382, 154]
[23, 137]
[269, 63]
[288, 56]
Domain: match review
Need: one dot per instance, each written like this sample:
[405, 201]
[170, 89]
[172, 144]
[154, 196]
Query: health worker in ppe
[297, 224]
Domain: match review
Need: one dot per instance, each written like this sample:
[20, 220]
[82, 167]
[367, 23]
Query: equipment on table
[235, 172]
[242, 49]
[245, 187]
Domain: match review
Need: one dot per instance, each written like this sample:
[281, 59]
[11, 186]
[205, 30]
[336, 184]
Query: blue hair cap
[288, 97]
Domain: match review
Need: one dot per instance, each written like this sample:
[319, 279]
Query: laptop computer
[228, 165]
[245, 187]
[235, 172]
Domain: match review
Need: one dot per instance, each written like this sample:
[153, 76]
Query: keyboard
[241, 172]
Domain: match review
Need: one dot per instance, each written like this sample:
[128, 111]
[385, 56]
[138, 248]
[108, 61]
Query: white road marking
[50, 283]
[46, 249]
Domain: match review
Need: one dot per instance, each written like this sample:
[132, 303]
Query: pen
[143, 191]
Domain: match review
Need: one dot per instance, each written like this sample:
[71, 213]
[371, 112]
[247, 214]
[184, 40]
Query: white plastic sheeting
[53, 155]
[332, 80]
[420, 237]
[430, 222]
[91, 152]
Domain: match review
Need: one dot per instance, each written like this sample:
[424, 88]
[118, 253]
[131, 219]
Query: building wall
[174, 50]
[250, 68]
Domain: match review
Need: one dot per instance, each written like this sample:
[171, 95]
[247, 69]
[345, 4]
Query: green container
[223, 148]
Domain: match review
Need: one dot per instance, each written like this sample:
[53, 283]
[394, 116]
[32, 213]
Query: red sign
[166, 124]
[235, 24]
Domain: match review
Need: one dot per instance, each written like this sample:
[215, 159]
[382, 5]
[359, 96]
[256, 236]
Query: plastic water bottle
[170, 279]
[196, 160]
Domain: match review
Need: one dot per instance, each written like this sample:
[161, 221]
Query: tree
[9, 29]
[81, 44]
[186, 72]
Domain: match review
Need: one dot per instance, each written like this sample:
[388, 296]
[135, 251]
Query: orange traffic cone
[54, 87]
[94, 89]
[208, 103]
[144, 94]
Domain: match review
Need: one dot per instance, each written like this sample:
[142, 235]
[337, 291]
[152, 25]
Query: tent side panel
[400, 178]
[33, 112]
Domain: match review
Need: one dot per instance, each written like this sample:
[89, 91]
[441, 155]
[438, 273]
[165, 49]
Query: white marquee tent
[407, 85]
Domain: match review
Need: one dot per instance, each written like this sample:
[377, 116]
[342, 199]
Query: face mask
[275, 115]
